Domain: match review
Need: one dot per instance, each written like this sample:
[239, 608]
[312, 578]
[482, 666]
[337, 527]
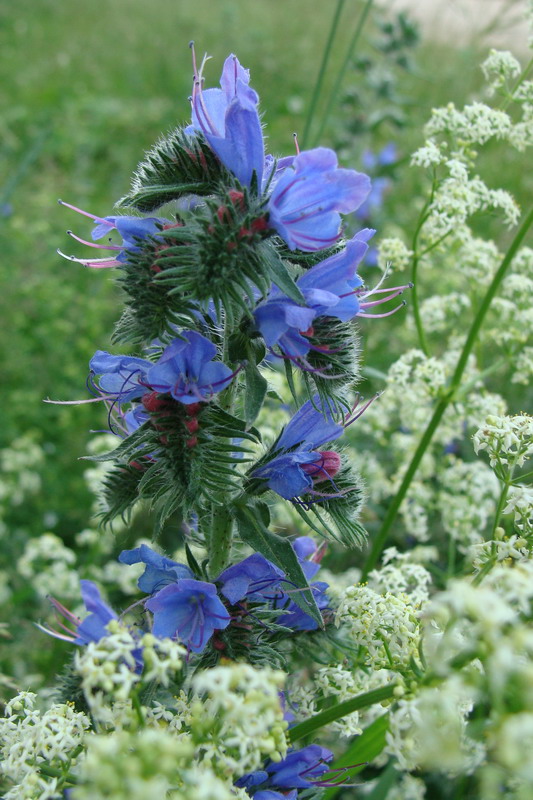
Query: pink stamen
[94, 263]
[297, 146]
[86, 214]
[362, 410]
[381, 299]
[93, 244]
[386, 314]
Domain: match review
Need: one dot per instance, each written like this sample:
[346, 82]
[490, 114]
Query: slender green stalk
[340, 75]
[414, 270]
[340, 710]
[321, 72]
[442, 405]
[220, 541]
[53, 772]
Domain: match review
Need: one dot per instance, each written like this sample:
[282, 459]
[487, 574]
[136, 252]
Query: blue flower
[307, 430]
[159, 571]
[190, 610]
[122, 378]
[229, 120]
[329, 288]
[131, 229]
[187, 371]
[301, 768]
[254, 578]
[306, 199]
[93, 627]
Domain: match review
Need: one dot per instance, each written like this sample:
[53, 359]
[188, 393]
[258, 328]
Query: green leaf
[340, 710]
[252, 531]
[151, 197]
[365, 748]
[256, 386]
[280, 274]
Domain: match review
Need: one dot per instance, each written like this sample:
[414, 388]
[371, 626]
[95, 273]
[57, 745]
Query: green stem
[340, 710]
[321, 72]
[53, 772]
[414, 270]
[136, 703]
[442, 405]
[344, 67]
[525, 72]
[220, 540]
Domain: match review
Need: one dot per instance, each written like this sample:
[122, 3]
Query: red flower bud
[326, 467]
[192, 442]
[237, 198]
[153, 401]
[192, 409]
[192, 425]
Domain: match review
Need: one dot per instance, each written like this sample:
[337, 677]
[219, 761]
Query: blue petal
[241, 150]
[159, 569]
[285, 477]
[309, 428]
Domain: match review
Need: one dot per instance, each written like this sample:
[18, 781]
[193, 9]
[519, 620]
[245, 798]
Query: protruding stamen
[386, 314]
[86, 213]
[362, 410]
[94, 244]
[297, 146]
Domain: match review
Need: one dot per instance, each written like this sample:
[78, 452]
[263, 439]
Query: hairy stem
[444, 402]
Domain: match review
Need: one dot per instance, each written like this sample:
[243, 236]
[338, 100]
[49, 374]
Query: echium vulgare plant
[244, 270]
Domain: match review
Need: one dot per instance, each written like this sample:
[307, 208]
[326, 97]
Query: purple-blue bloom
[229, 120]
[122, 378]
[159, 571]
[307, 430]
[190, 610]
[131, 229]
[301, 768]
[329, 288]
[93, 627]
[186, 370]
[90, 629]
[252, 578]
[307, 198]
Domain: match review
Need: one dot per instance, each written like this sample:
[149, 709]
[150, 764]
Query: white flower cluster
[236, 718]
[19, 474]
[30, 738]
[508, 440]
[126, 765]
[441, 312]
[499, 68]
[393, 254]
[114, 666]
[520, 504]
[429, 731]
[466, 499]
[475, 124]
[48, 564]
[401, 576]
[386, 626]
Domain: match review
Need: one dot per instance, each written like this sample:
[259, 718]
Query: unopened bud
[326, 467]
[192, 425]
[153, 401]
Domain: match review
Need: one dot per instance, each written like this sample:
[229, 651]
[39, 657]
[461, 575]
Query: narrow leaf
[256, 386]
[340, 710]
[280, 275]
[365, 748]
[278, 550]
